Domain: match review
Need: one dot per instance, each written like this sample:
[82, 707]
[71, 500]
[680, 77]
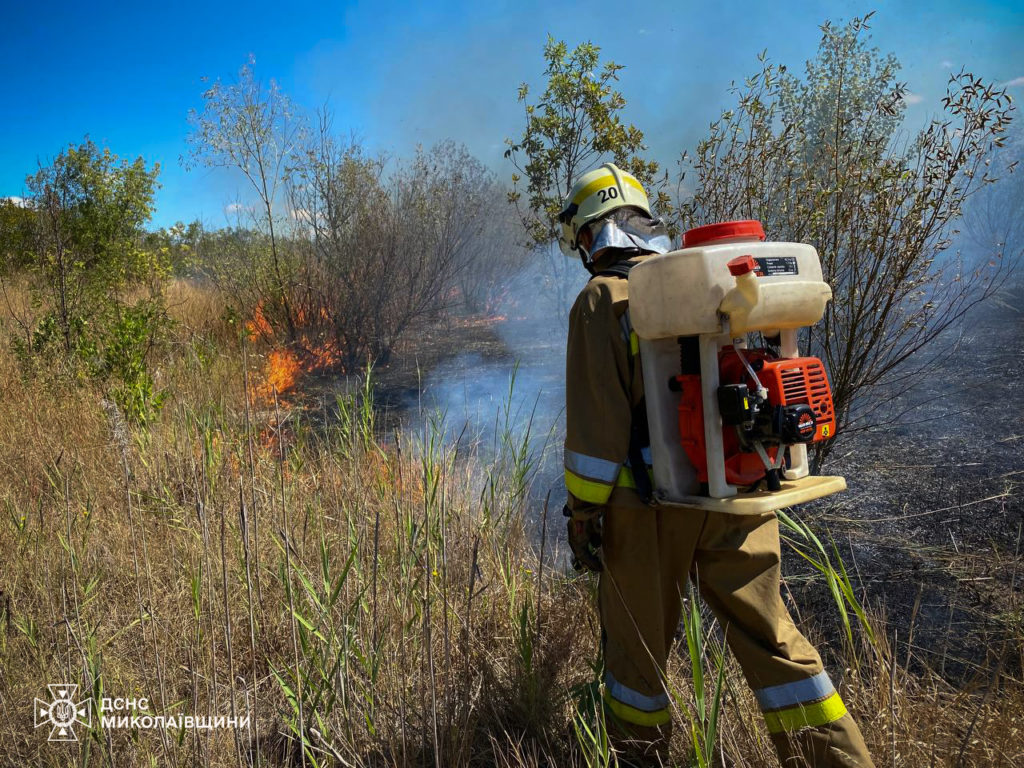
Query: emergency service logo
[63, 712]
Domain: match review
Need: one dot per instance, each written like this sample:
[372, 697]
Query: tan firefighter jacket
[603, 383]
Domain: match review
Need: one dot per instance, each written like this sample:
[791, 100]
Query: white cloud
[912, 98]
[947, 64]
[1014, 83]
[233, 209]
[18, 201]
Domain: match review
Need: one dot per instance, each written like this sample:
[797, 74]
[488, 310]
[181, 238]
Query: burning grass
[353, 597]
[286, 363]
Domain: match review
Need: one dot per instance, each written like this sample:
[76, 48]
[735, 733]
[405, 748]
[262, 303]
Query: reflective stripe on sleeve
[790, 694]
[589, 478]
[589, 491]
[591, 467]
[806, 715]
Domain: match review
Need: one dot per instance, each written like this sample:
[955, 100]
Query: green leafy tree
[178, 246]
[15, 234]
[823, 160]
[89, 208]
[83, 259]
[574, 127]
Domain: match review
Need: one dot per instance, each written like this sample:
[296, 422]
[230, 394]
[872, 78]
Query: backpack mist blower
[730, 424]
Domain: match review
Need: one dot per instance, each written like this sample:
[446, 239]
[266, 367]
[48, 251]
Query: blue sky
[403, 73]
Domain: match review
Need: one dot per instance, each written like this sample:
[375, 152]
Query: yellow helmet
[594, 195]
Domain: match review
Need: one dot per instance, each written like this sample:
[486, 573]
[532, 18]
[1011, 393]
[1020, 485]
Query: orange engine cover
[801, 380]
[789, 381]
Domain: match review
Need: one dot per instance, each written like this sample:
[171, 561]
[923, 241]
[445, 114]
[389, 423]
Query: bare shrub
[382, 253]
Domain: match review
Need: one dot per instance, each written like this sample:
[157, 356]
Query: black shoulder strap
[640, 438]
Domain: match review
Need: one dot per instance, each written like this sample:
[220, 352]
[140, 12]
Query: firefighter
[645, 554]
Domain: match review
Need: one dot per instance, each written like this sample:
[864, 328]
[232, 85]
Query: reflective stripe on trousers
[811, 702]
[634, 707]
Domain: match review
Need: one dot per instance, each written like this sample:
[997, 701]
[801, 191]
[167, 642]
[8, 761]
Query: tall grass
[704, 653]
[363, 598]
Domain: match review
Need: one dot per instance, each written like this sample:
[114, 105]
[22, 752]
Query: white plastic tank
[691, 292]
[680, 293]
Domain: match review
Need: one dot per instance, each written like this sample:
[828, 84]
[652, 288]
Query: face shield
[628, 230]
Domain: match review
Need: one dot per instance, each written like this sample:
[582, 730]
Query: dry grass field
[355, 595]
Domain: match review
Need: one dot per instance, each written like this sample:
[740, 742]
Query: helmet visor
[629, 229]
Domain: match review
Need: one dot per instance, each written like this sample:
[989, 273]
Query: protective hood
[629, 230]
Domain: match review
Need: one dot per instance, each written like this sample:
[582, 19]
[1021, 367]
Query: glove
[584, 533]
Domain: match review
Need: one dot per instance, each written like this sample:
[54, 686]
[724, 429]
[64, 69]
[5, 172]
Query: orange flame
[285, 366]
[259, 326]
[280, 374]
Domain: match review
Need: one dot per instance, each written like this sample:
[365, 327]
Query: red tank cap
[726, 230]
[741, 265]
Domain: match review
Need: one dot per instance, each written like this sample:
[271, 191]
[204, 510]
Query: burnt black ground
[931, 523]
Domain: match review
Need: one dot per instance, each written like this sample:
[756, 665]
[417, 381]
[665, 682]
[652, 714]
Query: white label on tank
[770, 266]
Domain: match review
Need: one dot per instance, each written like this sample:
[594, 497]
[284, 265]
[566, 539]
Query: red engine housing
[789, 381]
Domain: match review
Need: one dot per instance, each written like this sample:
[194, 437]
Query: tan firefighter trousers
[649, 554]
